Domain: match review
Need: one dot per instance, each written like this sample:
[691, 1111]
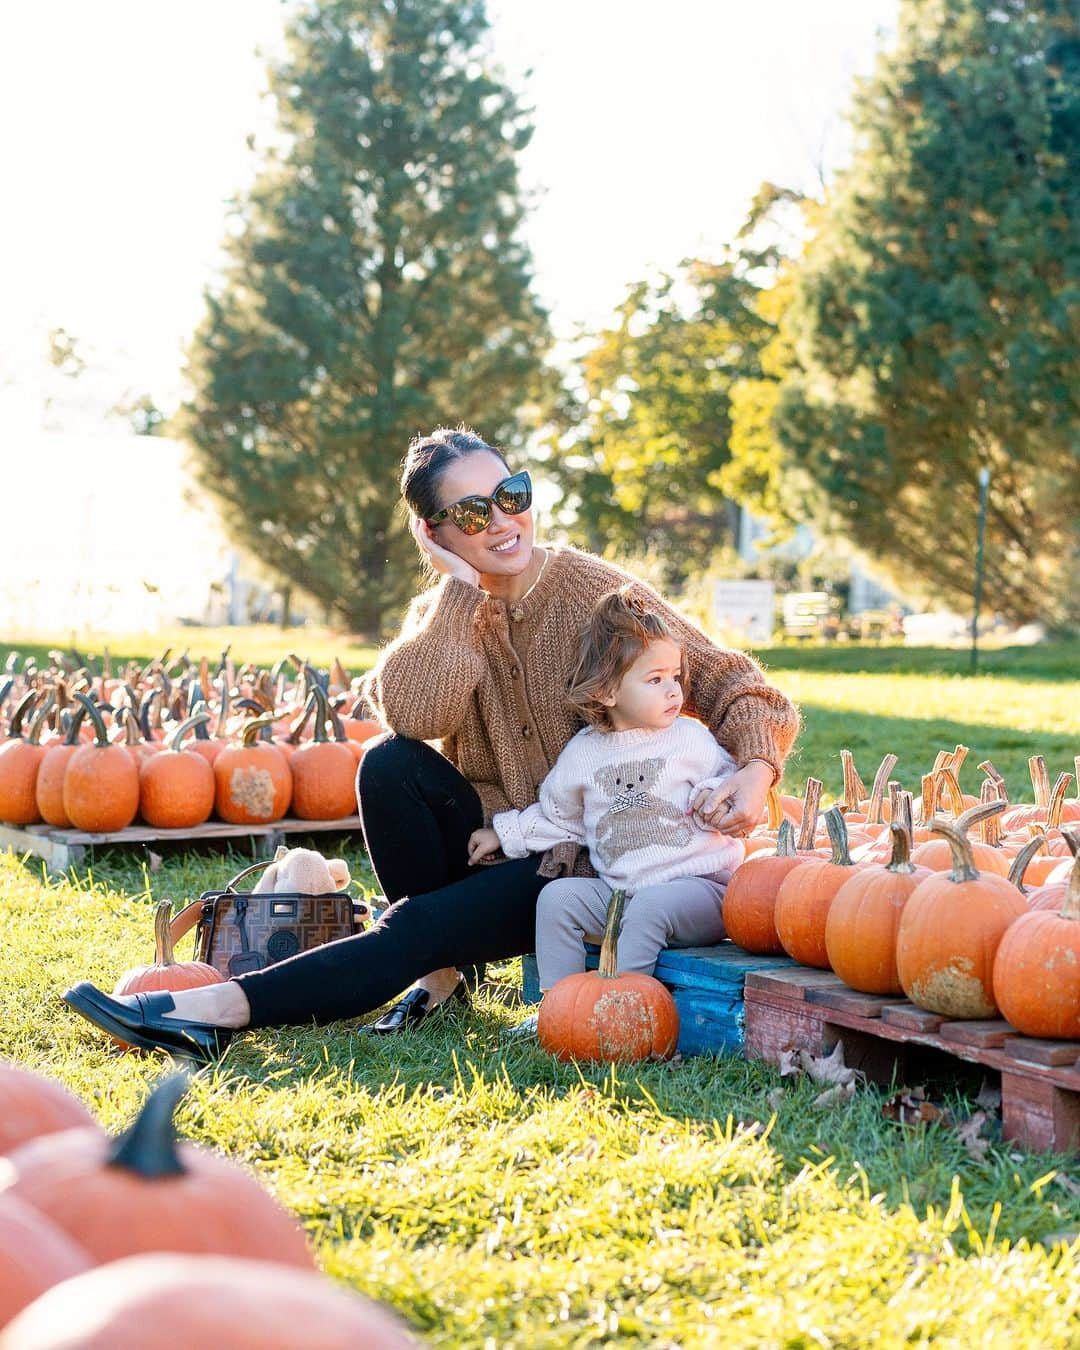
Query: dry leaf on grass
[836, 1095]
[970, 1135]
[155, 862]
[910, 1106]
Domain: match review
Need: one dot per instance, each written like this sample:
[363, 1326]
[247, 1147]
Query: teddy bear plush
[303, 871]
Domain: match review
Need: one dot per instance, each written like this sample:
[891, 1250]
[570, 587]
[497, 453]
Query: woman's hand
[443, 561]
[736, 806]
[482, 844]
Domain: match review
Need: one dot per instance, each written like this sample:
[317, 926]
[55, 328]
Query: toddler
[627, 786]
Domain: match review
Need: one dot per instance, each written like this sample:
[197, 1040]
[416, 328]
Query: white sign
[744, 608]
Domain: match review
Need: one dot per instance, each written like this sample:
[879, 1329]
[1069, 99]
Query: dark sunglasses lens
[515, 495]
[471, 515]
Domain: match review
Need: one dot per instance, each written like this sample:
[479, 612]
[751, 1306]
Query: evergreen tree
[934, 325]
[376, 286]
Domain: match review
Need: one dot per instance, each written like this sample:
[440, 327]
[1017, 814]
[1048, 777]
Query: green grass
[498, 1198]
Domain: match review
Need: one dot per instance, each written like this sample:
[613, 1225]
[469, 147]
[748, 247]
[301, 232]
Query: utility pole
[984, 492]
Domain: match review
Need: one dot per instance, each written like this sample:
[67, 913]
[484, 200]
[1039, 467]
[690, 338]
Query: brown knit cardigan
[486, 680]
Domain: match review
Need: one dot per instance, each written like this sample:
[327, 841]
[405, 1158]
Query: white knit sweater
[624, 795]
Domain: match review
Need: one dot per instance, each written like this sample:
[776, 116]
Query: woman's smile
[505, 546]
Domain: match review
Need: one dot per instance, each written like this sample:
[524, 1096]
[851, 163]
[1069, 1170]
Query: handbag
[237, 932]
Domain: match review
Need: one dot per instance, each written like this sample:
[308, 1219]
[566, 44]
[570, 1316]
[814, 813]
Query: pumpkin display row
[99, 1234]
[951, 923]
[93, 765]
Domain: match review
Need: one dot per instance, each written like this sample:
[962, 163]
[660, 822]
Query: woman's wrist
[774, 774]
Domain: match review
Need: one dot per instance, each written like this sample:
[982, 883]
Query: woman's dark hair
[429, 456]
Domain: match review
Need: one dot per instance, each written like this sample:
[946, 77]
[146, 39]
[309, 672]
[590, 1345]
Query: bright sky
[125, 125]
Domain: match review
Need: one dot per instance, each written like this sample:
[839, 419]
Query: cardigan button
[515, 672]
[526, 732]
[517, 614]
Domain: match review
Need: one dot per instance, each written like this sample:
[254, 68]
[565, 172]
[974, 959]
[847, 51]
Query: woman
[480, 666]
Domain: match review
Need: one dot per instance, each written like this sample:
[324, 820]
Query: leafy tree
[933, 326]
[641, 467]
[376, 285]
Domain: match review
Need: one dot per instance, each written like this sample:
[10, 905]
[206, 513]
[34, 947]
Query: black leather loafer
[139, 1020]
[413, 1008]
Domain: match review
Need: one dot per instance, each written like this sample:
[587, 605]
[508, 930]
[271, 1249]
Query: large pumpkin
[253, 781]
[49, 788]
[171, 1302]
[750, 899]
[607, 1015]
[860, 931]
[20, 760]
[1037, 969]
[31, 1105]
[34, 1255]
[146, 1192]
[806, 895]
[101, 785]
[936, 854]
[949, 934]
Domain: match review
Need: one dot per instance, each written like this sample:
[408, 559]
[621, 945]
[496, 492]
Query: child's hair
[617, 631]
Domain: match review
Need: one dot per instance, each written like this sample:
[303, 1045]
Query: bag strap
[186, 920]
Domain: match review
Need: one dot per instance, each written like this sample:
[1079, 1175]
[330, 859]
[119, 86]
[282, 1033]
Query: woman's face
[505, 548]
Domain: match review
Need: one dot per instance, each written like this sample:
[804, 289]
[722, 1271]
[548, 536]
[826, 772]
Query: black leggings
[418, 813]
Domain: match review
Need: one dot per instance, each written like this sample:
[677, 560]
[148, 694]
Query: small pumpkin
[950, 930]
[101, 785]
[20, 760]
[176, 786]
[1037, 969]
[936, 854]
[806, 895]
[175, 1302]
[49, 788]
[750, 899]
[324, 772]
[32, 1105]
[860, 931]
[34, 1255]
[606, 1014]
[252, 780]
[144, 1191]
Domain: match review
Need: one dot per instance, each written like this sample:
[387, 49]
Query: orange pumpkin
[936, 854]
[806, 895]
[49, 788]
[146, 1192]
[31, 1105]
[1037, 969]
[20, 759]
[166, 972]
[1051, 894]
[176, 786]
[607, 1015]
[949, 933]
[34, 1255]
[860, 931]
[324, 773]
[750, 899]
[253, 781]
[176, 1302]
[101, 785]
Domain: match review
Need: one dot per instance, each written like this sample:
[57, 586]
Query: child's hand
[482, 844]
[736, 806]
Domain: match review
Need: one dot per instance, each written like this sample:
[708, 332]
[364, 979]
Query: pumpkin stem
[996, 778]
[928, 801]
[90, 709]
[609, 947]
[163, 943]
[990, 828]
[1057, 801]
[963, 868]
[877, 792]
[148, 1146]
[776, 811]
[901, 849]
[25, 704]
[1070, 908]
[1020, 862]
[903, 811]
[37, 724]
[1040, 780]
[949, 781]
[254, 726]
[834, 823]
[811, 803]
[956, 759]
[854, 791]
[198, 719]
[785, 840]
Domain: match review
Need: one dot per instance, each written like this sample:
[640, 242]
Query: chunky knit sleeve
[729, 692]
[557, 818]
[422, 682]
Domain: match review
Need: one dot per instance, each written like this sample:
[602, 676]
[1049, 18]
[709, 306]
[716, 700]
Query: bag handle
[185, 921]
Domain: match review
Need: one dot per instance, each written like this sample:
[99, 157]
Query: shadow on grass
[1050, 661]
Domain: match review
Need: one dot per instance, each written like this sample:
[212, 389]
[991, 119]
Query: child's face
[649, 696]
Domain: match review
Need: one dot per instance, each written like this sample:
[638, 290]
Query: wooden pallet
[812, 1010]
[62, 849]
[707, 985]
